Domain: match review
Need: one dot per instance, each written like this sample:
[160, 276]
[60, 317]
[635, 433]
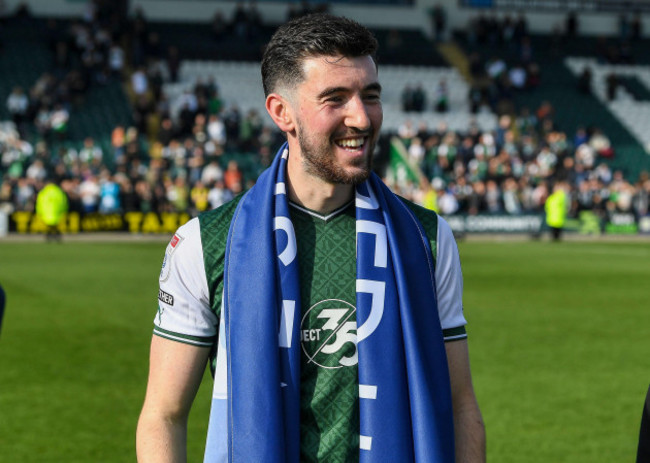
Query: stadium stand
[29, 60]
[181, 125]
[242, 82]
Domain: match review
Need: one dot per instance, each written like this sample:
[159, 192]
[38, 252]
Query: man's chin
[355, 175]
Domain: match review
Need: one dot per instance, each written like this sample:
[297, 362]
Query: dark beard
[319, 163]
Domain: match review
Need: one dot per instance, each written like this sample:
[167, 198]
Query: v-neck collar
[322, 217]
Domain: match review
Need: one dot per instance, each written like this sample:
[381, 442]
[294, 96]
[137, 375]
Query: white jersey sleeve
[184, 313]
[449, 284]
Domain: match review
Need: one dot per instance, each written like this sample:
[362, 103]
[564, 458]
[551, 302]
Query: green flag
[402, 170]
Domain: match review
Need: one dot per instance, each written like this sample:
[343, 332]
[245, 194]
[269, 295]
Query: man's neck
[313, 192]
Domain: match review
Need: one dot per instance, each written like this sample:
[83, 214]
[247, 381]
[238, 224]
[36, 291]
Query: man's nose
[357, 114]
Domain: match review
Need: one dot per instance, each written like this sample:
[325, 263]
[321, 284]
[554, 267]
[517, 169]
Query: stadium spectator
[447, 201]
[394, 44]
[407, 98]
[493, 197]
[36, 172]
[416, 150]
[406, 130]
[636, 27]
[571, 25]
[219, 26]
[442, 97]
[641, 200]
[91, 154]
[624, 27]
[51, 207]
[438, 20]
[216, 130]
[219, 194]
[419, 99]
[139, 81]
[109, 193]
[518, 77]
[612, 86]
[58, 122]
[199, 195]
[173, 62]
[89, 193]
[232, 176]
[584, 82]
[18, 105]
[556, 208]
[128, 198]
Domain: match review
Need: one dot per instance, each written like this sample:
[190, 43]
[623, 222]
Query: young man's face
[338, 117]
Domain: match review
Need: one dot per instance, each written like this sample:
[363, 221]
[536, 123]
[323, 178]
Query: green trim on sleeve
[454, 334]
[201, 341]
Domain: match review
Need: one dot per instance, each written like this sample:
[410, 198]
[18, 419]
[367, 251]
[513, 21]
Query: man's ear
[280, 111]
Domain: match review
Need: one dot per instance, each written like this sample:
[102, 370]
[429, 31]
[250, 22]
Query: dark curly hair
[309, 36]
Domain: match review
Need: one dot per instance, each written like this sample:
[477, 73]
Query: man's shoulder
[219, 218]
[427, 217]
[214, 226]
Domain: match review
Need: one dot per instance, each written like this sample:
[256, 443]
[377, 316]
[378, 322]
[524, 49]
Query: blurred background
[146, 113]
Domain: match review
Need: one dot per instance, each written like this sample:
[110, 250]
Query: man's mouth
[351, 144]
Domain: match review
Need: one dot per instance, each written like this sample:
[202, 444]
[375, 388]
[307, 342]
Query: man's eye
[335, 99]
[373, 97]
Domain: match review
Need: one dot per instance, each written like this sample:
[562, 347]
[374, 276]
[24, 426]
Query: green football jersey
[329, 402]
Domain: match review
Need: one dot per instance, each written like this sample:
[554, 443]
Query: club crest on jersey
[171, 247]
[328, 334]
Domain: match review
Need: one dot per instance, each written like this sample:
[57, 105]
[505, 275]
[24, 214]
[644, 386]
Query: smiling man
[330, 309]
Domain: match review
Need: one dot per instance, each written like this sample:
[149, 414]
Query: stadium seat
[240, 83]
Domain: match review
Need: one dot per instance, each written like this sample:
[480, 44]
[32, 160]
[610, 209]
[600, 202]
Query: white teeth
[351, 143]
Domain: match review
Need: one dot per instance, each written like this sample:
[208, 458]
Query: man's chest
[327, 263]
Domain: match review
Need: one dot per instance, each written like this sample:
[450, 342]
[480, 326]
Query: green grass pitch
[559, 343]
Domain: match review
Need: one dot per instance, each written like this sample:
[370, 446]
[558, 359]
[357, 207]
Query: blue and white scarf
[404, 392]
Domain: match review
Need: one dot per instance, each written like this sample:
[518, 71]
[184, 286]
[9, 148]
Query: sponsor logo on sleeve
[165, 297]
[173, 245]
[163, 270]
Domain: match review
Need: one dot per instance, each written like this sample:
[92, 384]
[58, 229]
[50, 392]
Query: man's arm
[468, 422]
[175, 373]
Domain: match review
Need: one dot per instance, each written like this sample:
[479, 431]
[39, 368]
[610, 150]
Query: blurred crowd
[192, 174]
[85, 52]
[200, 157]
[512, 169]
[156, 161]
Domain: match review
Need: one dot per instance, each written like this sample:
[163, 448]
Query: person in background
[556, 207]
[51, 207]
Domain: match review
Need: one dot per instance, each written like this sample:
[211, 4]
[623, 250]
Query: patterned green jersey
[329, 391]
[327, 262]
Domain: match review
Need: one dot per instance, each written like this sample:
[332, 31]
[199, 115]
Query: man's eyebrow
[331, 91]
[375, 86]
